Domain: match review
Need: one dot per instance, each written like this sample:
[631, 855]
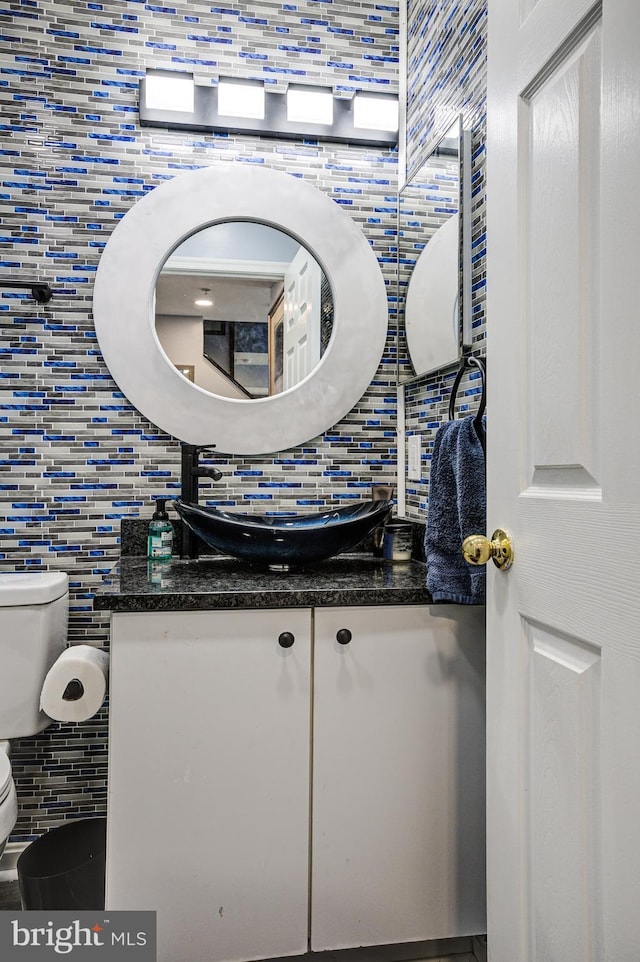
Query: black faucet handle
[196, 448]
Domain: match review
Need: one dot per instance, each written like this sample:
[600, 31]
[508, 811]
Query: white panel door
[563, 639]
[301, 334]
[398, 776]
[208, 814]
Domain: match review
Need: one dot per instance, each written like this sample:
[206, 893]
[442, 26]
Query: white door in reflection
[302, 284]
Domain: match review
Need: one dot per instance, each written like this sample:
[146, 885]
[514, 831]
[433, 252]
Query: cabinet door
[398, 764]
[209, 780]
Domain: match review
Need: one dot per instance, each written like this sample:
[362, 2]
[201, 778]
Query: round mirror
[243, 310]
[230, 198]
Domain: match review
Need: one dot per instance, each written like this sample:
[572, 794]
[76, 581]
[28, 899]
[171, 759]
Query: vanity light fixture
[169, 90]
[241, 98]
[309, 105]
[172, 100]
[372, 111]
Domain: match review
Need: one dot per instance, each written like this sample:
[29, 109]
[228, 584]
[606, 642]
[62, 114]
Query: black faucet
[191, 472]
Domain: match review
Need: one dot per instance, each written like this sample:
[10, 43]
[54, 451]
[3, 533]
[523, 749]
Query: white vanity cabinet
[398, 776]
[265, 800]
[208, 799]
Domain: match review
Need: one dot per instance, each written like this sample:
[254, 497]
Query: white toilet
[34, 615]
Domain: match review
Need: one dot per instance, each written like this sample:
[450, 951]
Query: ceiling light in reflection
[205, 300]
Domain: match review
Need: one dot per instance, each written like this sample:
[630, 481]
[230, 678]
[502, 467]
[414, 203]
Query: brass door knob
[476, 549]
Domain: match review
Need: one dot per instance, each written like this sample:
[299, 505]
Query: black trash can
[65, 868]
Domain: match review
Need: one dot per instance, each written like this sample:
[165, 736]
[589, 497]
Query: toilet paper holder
[74, 690]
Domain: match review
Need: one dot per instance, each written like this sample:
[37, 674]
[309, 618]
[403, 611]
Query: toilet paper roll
[75, 686]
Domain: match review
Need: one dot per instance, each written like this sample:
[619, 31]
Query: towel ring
[470, 360]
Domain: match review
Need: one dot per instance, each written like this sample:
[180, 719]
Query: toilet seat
[6, 779]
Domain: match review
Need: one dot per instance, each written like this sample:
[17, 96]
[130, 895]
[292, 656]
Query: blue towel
[457, 508]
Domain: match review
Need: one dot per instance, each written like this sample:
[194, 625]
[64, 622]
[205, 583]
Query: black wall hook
[470, 360]
[40, 290]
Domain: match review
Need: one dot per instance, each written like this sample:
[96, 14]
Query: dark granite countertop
[220, 582]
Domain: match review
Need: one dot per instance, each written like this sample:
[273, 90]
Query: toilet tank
[34, 615]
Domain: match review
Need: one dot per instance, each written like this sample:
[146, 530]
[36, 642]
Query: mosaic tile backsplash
[76, 457]
[446, 77]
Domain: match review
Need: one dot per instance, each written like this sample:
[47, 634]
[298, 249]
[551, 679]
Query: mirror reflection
[243, 310]
[429, 262]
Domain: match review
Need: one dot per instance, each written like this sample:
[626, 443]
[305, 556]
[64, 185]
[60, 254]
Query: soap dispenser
[160, 538]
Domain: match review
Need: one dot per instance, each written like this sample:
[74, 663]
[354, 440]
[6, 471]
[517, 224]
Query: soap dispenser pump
[160, 537]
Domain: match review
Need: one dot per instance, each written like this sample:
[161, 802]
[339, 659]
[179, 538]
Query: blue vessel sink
[282, 542]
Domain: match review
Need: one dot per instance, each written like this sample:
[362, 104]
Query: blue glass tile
[113, 26]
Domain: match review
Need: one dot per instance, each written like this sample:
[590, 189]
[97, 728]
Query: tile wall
[75, 457]
[446, 76]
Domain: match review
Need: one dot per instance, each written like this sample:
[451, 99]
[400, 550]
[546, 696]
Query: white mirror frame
[124, 296]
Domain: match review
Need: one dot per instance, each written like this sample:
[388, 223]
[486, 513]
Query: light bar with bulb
[309, 105]
[172, 100]
[375, 112]
[241, 98]
[169, 90]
